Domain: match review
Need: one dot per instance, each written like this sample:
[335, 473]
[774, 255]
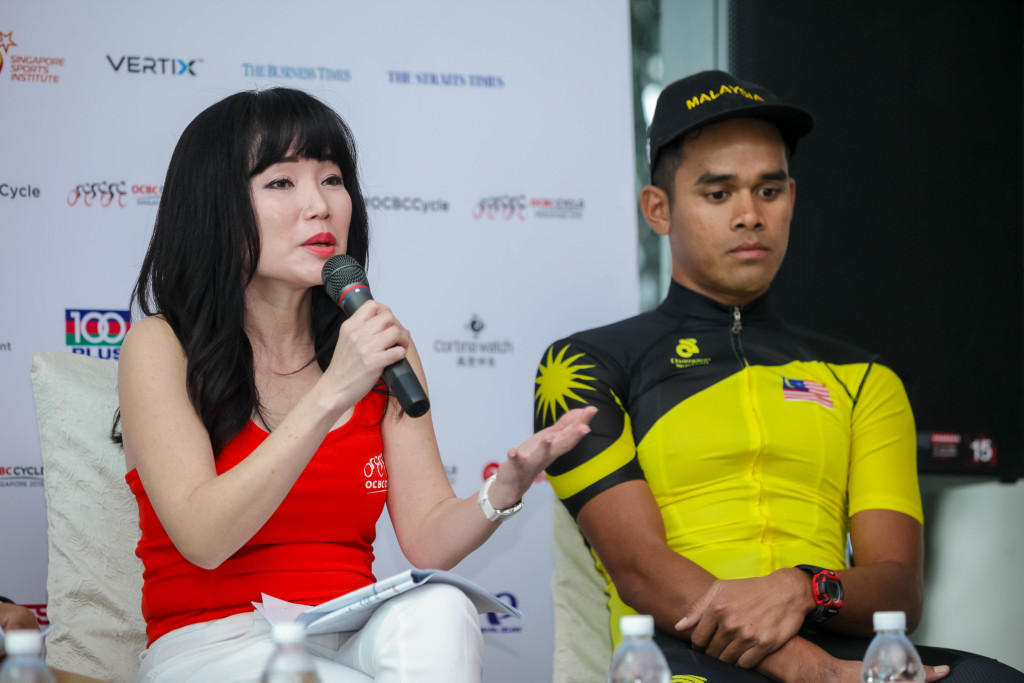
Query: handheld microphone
[345, 282]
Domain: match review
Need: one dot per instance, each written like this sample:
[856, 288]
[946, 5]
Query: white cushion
[583, 642]
[94, 579]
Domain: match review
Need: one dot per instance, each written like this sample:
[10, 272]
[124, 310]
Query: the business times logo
[21, 476]
[409, 204]
[96, 333]
[446, 80]
[498, 622]
[519, 207]
[473, 352]
[28, 68]
[153, 66]
[282, 72]
[376, 475]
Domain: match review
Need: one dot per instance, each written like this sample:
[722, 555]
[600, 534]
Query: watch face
[834, 591]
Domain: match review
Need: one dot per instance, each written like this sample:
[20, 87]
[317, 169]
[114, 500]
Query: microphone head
[339, 272]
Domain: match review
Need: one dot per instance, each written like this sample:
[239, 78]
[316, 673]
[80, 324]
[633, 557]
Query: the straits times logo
[97, 333]
[474, 349]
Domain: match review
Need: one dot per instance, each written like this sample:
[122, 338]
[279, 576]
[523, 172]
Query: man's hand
[741, 621]
[800, 661]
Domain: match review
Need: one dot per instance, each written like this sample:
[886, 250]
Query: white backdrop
[497, 158]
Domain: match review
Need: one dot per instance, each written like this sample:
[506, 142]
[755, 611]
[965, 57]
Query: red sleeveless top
[317, 545]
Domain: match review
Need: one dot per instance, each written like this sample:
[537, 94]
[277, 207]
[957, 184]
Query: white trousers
[430, 634]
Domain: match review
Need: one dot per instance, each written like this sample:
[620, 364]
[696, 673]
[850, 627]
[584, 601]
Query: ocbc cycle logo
[414, 204]
[101, 194]
[95, 328]
[376, 474]
[505, 207]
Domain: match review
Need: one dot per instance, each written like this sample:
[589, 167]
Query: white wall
[507, 127]
[974, 545]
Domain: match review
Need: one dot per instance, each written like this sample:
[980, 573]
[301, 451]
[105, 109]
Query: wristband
[490, 512]
[827, 590]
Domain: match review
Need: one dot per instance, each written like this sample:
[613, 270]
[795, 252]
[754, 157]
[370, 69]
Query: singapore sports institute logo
[6, 43]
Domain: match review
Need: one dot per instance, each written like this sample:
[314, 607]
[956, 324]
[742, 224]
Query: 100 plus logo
[96, 332]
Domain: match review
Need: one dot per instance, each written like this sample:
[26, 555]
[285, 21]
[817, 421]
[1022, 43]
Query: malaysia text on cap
[711, 96]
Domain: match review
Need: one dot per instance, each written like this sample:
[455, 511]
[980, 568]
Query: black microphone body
[345, 282]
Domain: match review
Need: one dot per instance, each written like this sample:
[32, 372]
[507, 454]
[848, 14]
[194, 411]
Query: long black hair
[205, 244]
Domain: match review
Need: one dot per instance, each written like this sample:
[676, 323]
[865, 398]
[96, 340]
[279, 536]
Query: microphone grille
[341, 271]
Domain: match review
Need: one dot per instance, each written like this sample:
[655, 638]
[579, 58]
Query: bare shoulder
[148, 340]
[153, 330]
[152, 359]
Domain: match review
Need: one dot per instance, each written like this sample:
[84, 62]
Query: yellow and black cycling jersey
[758, 439]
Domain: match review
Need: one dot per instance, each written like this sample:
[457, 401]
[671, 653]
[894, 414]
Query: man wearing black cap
[732, 453]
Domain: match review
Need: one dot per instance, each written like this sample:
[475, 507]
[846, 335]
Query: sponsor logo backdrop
[497, 159]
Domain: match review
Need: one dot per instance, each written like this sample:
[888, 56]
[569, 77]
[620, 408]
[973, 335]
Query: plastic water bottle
[891, 656]
[638, 659]
[291, 662]
[24, 663]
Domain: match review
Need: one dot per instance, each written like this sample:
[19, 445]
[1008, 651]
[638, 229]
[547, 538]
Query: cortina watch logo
[685, 350]
[475, 325]
[376, 475]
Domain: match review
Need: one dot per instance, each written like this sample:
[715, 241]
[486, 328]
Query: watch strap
[490, 512]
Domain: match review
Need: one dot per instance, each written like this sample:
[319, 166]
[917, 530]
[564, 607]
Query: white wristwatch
[490, 513]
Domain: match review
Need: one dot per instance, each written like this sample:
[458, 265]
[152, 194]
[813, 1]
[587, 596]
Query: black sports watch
[827, 590]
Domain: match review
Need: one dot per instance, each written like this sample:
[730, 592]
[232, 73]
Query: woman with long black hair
[260, 442]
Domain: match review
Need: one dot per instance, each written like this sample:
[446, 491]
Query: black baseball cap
[711, 96]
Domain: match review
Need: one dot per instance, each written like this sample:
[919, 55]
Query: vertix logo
[156, 66]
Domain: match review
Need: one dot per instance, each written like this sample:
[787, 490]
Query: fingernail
[941, 669]
[681, 624]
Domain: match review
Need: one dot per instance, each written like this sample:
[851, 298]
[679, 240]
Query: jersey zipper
[756, 422]
[737, 342]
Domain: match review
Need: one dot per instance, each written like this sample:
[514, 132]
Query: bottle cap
[291, 632]
[23, 642]
[633, 625]
[890, 621]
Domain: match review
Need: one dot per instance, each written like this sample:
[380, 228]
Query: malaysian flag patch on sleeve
[806, 390]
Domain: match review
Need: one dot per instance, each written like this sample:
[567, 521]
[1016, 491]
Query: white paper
[350, 611]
